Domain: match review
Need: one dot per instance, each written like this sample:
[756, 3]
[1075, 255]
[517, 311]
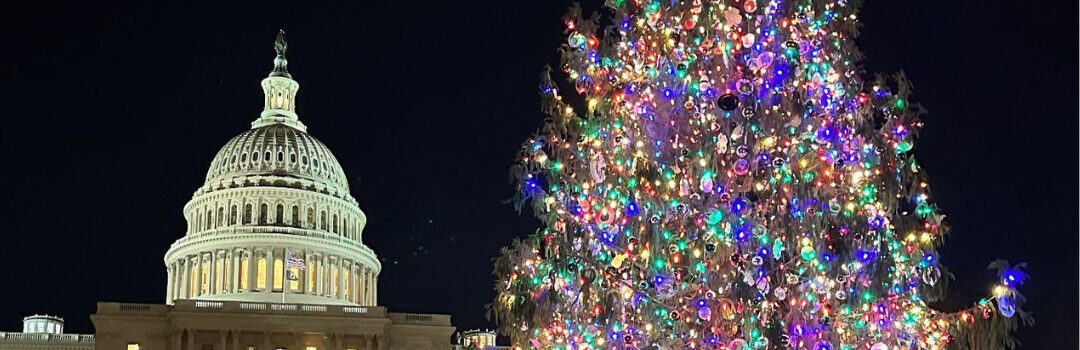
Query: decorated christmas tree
[723, 175]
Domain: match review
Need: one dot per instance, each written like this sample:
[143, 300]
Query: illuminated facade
[477, 339]
[44, 332]
[273, 256]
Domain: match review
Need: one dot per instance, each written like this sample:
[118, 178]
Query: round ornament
[728, 102]
[744, 86]
[742, 151]
[1007, 305]
[742, 166]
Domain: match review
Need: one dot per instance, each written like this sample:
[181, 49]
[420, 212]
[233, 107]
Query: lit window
[219, 281]
[279, 273]
[334, 282]
[244, 273]
[204, 280]
[311, 277]
[260, 274]
[133, 346]
[311, 348]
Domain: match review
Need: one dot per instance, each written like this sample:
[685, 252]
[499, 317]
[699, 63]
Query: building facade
[44, 332]
[273, 256]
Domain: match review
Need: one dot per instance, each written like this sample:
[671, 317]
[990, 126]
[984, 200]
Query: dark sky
[112, 113]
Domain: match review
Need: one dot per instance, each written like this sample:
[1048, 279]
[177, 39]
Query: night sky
[112, 113]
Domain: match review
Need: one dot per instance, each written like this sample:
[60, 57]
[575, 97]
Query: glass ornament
[931, 275]
[728, 102]
[704, 313]
[577, 41]
[1007, 305]
[742, 166]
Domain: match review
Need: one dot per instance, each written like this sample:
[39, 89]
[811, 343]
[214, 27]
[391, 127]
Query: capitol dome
[279, 150]
[274, 221]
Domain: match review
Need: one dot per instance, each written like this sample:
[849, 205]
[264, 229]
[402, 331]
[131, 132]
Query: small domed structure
[43, 324]
[274, 220]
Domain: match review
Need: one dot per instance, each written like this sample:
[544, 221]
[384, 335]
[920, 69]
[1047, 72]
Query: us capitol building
[273, 256]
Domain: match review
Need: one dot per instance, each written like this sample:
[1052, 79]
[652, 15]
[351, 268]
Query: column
[211, 288]
[353, 283]
[252, 261]
[270, 270]
[341, 278]
[224, 336]
[191, 338]
[199, 276]
[235, 339]
[170, 272]
[266, 341]
[184, 273]
[367, 287]
[285, 270]
[374, 289]
[319, 276]
[235, 268]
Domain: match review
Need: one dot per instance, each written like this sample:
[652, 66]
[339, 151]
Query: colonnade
[267, 270]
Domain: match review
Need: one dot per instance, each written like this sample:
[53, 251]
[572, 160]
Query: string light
[732, 183]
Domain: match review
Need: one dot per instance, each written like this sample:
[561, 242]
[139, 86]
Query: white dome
[278, 150]
[274, 219]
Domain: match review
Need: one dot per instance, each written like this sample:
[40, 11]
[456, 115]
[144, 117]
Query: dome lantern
[279, 90]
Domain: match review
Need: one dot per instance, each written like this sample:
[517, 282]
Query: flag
[295, 262]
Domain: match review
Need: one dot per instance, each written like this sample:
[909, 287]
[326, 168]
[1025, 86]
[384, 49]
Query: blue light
[865, 256]
[632, 209]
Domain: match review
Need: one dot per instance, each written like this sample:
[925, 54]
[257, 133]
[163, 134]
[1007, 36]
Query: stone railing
[419, 319]
[47, 338]
[304, 232]
[278, 308]
[131, 308]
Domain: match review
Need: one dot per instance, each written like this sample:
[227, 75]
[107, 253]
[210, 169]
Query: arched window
[279, 214]
[232, 215]
[209, 219]
[335, 223]
[345, 226]
[295, 216]
[247, 213]
[263, 212]
[244, 272]
[278, 274]
[311, 217]
[220, 216]
[260, 274]
[322, 221]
